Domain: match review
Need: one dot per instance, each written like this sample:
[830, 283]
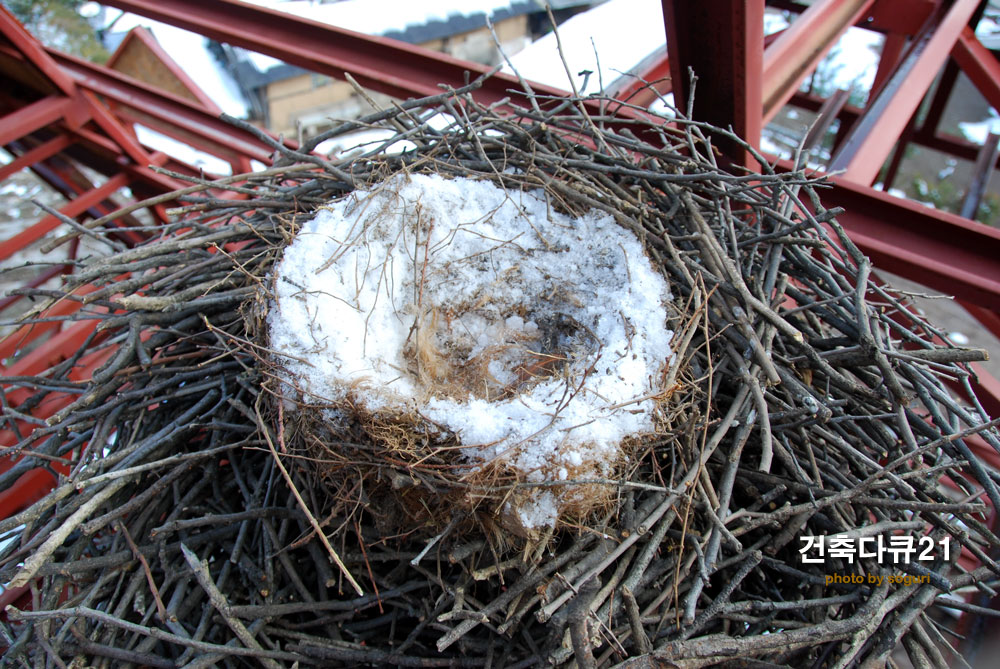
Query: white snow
[537, 340]
[617, 34]
[664, 106]
[977, 132]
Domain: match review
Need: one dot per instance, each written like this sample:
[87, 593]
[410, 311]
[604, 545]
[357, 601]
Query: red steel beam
[886, 16]
[800, 48]
[33, 484]
[946, 143]
[892, 51]
[723, 43]
[988, 319]
[33, 51]
[113, 128]
[34, 283]
[95, 143]
[872, 138]
[35, 155]
[652, 80]
[30, 118]
[167, 113]
[979, 65]
[981, 173]
[12, 344]
[941, 250]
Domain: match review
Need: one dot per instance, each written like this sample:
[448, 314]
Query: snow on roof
[377, 17]
[618, 34]
[190, 51]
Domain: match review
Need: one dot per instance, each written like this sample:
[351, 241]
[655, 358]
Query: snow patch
[977, 132]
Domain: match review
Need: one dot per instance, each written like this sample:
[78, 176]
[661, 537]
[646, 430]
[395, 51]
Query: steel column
[981, 173]
[722, 42]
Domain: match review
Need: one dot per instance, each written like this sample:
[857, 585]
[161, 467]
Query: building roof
[190, 51]
[138, 54]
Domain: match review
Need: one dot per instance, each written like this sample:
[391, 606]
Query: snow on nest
[537, 339]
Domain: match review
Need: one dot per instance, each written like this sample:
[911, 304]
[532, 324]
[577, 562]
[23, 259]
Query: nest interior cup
[436, 311]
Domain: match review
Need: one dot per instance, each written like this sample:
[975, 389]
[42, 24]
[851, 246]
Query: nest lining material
[203, 523]
[535, 340]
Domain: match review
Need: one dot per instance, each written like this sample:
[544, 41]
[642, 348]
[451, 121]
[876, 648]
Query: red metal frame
[961, 262]
[892, 51]
[76, 207]
[36, 155]
[740, 85]
[165, 112]
[652, 79]
[876, 132]
[979, 65]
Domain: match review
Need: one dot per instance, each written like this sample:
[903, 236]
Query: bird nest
[461, 333]
[528, 387]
